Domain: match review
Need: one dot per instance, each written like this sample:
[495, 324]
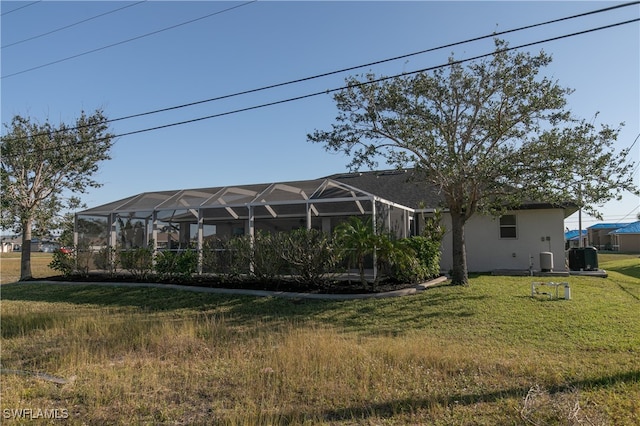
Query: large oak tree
[490, 134]
[43, 167]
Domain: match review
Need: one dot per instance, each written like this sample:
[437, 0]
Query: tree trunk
[25, 252]
[459, 275]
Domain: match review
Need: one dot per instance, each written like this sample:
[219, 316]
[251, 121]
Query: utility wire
[395, 58]
[319, 75]
[300, 80]
[18, 8]
[630, 213]
[324, 92]
[128, 40]
[72, 25]
[634, 142]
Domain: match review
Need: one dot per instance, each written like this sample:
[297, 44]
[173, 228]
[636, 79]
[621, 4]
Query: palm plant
[356, 239]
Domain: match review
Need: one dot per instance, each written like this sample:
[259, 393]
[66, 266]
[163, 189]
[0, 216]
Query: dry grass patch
[10, 266]
[485, 354]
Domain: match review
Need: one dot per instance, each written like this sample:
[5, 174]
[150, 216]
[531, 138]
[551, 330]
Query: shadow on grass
[387, 409]
[632, 271]
[393, 315]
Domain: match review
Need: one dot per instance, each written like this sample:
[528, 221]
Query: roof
[632, 228]
[573, 234]
[608, 225]
[400, 187]
[404, 186]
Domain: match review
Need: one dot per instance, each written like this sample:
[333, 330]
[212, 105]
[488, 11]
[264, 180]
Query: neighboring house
[9, 243]
[599, 235]
[397, 202]
[572, 239]
[627, 239]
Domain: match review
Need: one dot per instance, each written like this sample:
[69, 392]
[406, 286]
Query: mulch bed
[342, 286]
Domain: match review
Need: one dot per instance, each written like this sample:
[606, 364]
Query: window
[508, 226]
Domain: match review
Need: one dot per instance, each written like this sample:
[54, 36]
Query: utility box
[546, 261]
[583, 259]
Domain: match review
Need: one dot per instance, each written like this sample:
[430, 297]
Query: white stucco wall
[486, 251]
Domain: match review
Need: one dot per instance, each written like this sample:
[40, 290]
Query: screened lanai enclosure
[194, 218]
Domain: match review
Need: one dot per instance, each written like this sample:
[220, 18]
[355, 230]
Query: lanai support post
[405, 222]
[112, 239]
[154, 234]
[375, 232]
[308, 215]
[75, 237]
[146, 232]
[388, 224]
[251, 226]
[200, 247]
[75, 230]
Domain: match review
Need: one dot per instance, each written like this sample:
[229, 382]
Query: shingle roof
[405, 187]
[399, 186]
[402, 187]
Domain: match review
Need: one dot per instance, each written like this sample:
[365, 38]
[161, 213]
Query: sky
[60, 58]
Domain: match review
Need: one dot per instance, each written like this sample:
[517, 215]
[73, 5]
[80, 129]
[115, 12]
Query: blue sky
[267, 42]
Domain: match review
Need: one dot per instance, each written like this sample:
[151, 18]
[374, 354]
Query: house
[599, 235]
[572, 238]
[395, 198]
[627, 238]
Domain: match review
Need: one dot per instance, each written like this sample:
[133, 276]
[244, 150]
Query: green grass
[483, 354]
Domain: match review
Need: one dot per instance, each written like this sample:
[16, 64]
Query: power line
[630, 213]
[72, 25]
[328, 91]
[634, 142]
[297, 98]
[21, 7]
[127, 40]
[606, 218]
[610, 8]
[395, 58]
[326, 74]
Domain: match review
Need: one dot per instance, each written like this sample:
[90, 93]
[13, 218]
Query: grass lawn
[10, 266]
[485, 354]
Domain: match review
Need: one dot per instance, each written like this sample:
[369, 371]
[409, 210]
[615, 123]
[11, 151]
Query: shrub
[265, 255]
[105, 259]
[137, 261]
[77, 261]
[83, 259]
[309, 254]
[427, 253]
[171, 265]
[64, 263]
[220, 256]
